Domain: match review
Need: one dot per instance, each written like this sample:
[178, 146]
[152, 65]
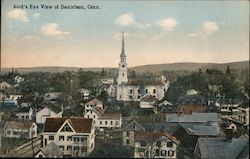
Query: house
[49, 151]
[243, 116]
[2, 96]
[20, 129]
[147, 101]
[128, 132]
[18, 79]
[48, 111]
[75, 135]
[52, 96]
[84, 92]
[5, 86]
[25, 113]
[109, 80]
[223, 148]
[110, 89]
[191, 103]
[155, 145]
[103, 119]
[93, 104]
[229, 111]
[15, 96]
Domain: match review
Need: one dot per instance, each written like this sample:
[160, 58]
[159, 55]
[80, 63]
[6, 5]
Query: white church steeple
[122, 70]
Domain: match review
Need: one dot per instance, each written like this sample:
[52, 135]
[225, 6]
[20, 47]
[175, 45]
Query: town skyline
[43, 38]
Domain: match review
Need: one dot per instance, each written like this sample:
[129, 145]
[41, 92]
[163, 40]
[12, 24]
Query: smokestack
[229, 134]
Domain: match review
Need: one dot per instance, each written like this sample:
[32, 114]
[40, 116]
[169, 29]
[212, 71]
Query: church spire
[123, 46]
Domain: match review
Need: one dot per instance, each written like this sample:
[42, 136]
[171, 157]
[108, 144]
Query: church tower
[122, 70]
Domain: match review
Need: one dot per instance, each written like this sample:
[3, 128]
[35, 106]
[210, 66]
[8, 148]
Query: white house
[155, 145]
[20, 129]
[229, 111]
[18, 79]
[93, 104]
[48, 111]
[25, 113]
[147, 101]
[84, 92]
[4, 85]
[104, 119]
[243, 115]
[75, 135]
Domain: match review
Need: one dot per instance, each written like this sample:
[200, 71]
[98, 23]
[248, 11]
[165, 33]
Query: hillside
[155, 68]
[189, 66]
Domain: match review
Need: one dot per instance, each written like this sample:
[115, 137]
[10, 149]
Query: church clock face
[123, 65]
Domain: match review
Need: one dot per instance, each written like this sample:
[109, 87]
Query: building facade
[75, 135]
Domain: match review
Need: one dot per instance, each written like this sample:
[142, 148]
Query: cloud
[18, 14]
[128, 20]
[210, 27]
[52, 29]
[167, 24]
[36, 15]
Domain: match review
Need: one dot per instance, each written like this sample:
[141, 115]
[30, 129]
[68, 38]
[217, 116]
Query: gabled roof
[51, 150]
[214, 148]
[165, 102]
[55, 109]
[111, 115]
[148, 98]
[195, 118]
[153, 136]
[23, 110]
[94, 101]
[164, 126]
[201, 129]
[18, 125]
[79, 124]
[133, 126]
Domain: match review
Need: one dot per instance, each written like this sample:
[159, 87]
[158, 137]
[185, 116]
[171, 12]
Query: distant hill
[189, 66]
[155, 68]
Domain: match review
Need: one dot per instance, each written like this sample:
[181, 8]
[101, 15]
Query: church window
[154, 91]
[131, 91]
[122, 74]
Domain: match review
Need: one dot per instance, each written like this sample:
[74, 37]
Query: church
[130, 90]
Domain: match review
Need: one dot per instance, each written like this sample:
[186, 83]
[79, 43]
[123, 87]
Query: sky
[156, 32]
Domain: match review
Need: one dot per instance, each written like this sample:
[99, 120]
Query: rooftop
[79, 124]
[214, 148]
[18, 125]
[195, 118]
[148, 98]
[94, 101]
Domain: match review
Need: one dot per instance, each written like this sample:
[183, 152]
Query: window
[169, 144]
[158, 143]
[146, 91]
[76, 139]
[100, 122]
[8, 131]
[76, 148]
[51, 137]
[127, 141]
[66, 128]
[94, 116]
[69, 138]
[111, 122]
[61, 138]
[170, 153]
[163, 152]
[122, 74]
[157, 152]
[40, 156]
[116, 123]
[154, 91]
[123, 65]
[88, 116]
[106, 122]
[131, 91]
[69, 148]
[91, 112]
[61, 147]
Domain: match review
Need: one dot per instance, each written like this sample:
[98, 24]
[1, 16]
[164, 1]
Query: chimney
[229, 134]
